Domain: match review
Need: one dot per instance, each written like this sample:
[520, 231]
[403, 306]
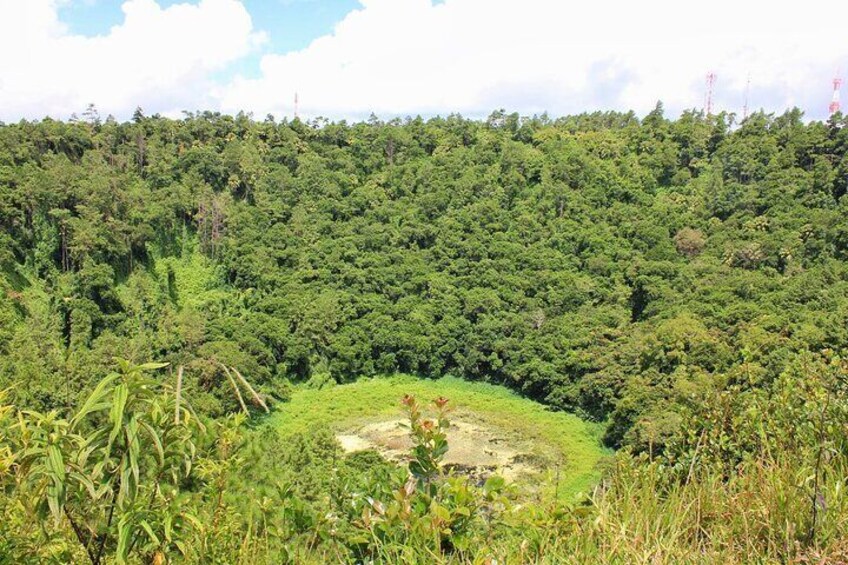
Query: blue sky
[290, 24]
[347, 59]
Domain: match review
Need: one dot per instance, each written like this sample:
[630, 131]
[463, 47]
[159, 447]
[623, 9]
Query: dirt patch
[474, 448]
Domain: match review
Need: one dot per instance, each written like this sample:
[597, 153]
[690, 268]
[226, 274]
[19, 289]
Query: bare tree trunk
[139, 141]
[256, 397]
[64, 232]
[235, 388]
[178, 394]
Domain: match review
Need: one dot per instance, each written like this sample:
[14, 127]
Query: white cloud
[158, 58]
[411, 56]
[398, 57]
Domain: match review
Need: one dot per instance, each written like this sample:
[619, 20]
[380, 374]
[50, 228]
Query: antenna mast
[295, 104]
[747, 92]
[834, 102]
[708, 95]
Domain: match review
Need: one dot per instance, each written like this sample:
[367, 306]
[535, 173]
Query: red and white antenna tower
[708, 95]
[747, 92]
[834, 102]
[295, 104]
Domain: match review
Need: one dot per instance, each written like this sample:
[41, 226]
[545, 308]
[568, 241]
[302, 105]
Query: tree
[689, 242]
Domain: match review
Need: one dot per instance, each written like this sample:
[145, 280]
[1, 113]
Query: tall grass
[640, 516]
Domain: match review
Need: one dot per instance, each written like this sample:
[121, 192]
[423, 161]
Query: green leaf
[149, 531]
[124, 365]
[193, 520]
[133, 451]
[157, 443]
[84, 481]
[94, 402]
[151, 366]
[55, 462]
[493, 484]
[126, 487]
[53, 503]
[440, 511]
[116, 415]
[124, 532]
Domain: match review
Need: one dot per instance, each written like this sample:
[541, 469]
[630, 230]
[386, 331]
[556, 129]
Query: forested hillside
[683, 282]
[597, 263]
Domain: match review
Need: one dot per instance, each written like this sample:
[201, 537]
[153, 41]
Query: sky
[347, 59]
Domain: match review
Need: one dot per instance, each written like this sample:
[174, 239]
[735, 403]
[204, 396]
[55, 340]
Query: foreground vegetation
[681, 283]
[133, 476]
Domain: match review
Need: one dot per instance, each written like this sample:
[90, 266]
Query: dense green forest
[683, 283]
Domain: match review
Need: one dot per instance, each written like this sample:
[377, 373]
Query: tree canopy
[596, 262]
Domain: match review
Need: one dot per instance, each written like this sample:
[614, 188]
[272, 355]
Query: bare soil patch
[474, 449]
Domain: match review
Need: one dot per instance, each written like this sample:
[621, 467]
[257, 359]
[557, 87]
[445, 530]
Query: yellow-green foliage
[575, 441]
[195, 276]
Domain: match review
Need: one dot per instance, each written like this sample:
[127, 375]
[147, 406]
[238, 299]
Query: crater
[474, 450]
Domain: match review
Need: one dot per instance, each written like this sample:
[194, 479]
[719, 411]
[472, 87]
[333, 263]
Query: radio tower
[708, 95]
[747, 92]
[834, 103]
[295, 104]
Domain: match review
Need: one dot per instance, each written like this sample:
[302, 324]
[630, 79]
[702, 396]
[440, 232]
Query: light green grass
[570, 443]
